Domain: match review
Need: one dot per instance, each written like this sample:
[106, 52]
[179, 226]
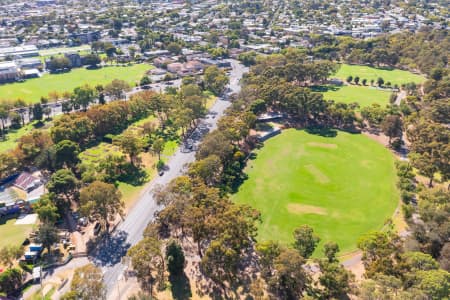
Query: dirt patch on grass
[322, 145]
[296, 208]
[318, 175]
[366, 163]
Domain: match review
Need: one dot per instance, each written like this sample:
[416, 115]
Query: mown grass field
[363, 95]
[342, 186]
[394, 76]
[11, 234]
[32, 90]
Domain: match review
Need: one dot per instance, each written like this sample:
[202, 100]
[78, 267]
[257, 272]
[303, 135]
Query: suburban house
[19, 191]
[174, 67]
[86, 37]
[156, 53]
[193, 66]
[162, 62]
[185, 69]
[219, 63]
[27, 182]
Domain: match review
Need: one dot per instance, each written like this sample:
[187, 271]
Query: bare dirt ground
[306, 209]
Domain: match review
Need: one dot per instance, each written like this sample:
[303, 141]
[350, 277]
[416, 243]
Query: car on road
[82, 221]
[160, 172]
[75, 215]
[97, 228]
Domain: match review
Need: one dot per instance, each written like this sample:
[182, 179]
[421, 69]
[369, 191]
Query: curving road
[130, 231]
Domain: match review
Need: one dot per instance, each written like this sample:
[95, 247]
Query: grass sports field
[394, 76]
[342, 186]
[33, 89]
[11, 234]
[364, 95]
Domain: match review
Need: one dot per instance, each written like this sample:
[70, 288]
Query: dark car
[97, 228]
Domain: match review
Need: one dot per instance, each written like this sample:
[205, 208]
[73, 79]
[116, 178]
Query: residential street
[130, 231]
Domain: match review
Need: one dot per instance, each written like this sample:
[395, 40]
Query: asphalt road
[130, 231]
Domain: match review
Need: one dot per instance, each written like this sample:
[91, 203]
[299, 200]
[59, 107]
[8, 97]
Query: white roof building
[8, 71]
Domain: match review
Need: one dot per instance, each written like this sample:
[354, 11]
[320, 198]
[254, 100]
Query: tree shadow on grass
[134, 176]
[38, 124]
[325, 88]
[180, 287]
[252, 156]
[384, 68]
[322, 131]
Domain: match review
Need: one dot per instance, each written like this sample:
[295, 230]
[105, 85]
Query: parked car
[82, 221]
[75, 215]
[97, 228]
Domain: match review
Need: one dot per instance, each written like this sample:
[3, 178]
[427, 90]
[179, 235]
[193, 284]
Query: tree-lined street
[130, 231]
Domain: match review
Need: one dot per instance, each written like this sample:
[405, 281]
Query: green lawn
[394, 76]
[11, 234]
[364, 95]
[32, 89]
[342, 186]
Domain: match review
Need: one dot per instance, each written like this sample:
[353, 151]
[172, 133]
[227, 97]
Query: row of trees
[49, 149]
[380, 81]
[427, 119]
[80, 98]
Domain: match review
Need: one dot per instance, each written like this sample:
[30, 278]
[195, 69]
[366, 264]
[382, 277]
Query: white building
[8, 71]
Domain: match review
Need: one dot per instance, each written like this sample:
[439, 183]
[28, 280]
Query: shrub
[407, 210]
[160, 165]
